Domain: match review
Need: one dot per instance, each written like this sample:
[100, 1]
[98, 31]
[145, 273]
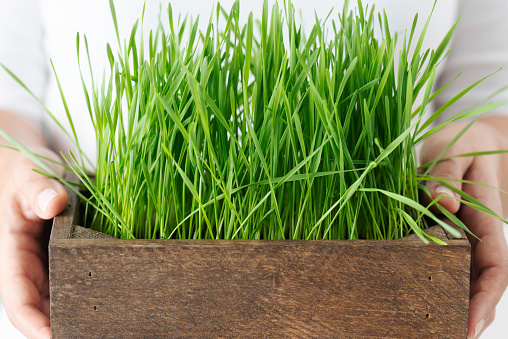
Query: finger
[24, 286]
[24, 307]
[45, 305]
[454, 168]
[39, 324]
[486, 294]
[487, 324]
[42, 196]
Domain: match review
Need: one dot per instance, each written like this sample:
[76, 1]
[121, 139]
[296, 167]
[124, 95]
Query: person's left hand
[489, 271]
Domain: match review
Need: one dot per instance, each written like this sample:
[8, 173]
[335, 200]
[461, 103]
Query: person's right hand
[27, 200]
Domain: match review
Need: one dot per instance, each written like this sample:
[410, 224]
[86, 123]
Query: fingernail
[445, 190]
[45, 198]
[478, 327]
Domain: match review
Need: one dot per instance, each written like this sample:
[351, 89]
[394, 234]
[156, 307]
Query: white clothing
[32, 31]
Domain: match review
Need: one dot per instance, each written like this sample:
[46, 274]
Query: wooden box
[106, 287]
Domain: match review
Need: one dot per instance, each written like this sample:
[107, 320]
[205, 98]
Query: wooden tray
[106, 287]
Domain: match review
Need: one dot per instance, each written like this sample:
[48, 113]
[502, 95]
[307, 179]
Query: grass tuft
[238, 135]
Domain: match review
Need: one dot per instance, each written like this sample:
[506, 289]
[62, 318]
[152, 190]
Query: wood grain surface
[256, 289]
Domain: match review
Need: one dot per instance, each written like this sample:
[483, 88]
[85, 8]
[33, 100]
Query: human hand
[27, 201]
[489, 271]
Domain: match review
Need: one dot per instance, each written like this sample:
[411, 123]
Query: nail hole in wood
[95, 308]
[89, 274]
[430, 278]
[427, 315]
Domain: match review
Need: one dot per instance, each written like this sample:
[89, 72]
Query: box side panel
[64, 223]
[259, 291]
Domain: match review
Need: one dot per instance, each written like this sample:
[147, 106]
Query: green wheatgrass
[237, 135]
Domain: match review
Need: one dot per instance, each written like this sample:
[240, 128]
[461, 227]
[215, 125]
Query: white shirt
[32, 31]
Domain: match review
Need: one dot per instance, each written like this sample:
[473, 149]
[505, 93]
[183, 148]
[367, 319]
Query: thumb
[42, 195]
[452, 168]
[51, 199]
